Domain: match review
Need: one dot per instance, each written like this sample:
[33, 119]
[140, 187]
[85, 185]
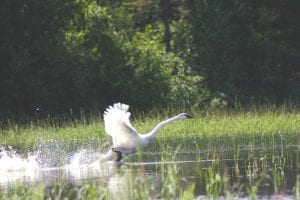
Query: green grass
[210, 127]
[261, 142]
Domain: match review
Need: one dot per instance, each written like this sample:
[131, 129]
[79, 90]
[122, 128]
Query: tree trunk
[166, 6]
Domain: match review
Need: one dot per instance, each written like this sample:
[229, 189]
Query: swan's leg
[119, 154]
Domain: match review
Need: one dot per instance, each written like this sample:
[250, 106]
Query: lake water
[275, 170]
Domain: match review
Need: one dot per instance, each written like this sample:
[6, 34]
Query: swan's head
[184, 116]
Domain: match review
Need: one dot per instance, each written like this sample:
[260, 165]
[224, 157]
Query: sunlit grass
[260, 142]
[215, 124]
[248, 127]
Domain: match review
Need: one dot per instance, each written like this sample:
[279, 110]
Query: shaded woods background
[58, 55]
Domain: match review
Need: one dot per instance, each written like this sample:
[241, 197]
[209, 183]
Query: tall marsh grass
[246, 152]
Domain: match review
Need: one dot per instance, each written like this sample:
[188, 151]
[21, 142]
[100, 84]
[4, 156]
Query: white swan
[125, 137]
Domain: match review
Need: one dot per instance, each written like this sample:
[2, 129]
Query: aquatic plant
[221, 154]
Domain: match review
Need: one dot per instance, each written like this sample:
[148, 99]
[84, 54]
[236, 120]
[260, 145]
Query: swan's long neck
[152, 134]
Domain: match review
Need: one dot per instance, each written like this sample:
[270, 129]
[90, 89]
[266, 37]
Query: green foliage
[162, 77]
[146, 58]
[30, 50]
[188, 89]
[64, 55]
[247, 51]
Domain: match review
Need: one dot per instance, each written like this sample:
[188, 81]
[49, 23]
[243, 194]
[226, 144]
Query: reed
[238, 152]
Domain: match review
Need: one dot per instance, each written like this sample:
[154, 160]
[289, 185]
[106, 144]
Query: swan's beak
[188, 116]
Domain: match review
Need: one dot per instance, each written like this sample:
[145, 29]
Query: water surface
[74, 165]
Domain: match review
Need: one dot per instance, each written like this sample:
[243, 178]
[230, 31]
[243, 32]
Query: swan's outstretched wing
[117, 123]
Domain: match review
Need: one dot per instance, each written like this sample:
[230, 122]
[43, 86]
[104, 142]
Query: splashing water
[12, 161]
[48, 163]
[13, 167]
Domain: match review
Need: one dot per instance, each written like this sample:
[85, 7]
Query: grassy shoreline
[214, 125]
[263, 145]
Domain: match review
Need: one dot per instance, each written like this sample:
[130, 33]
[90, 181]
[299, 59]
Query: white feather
[124, 136]
[118, 126]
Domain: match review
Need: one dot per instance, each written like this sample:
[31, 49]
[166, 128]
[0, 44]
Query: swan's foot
[119, 154]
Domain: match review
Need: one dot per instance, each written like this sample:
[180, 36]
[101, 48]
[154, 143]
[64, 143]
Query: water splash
[48, 163]
[14, 167]
[12, 161]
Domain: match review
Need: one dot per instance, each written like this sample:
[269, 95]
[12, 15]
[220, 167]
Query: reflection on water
[76, 165]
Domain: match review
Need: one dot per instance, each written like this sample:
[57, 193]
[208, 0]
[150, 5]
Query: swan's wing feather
[117, 123]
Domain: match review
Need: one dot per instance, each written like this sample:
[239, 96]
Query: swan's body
[125, 137]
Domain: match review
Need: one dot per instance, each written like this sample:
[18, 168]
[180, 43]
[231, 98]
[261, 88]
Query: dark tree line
[58, 55]
[248, 49]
